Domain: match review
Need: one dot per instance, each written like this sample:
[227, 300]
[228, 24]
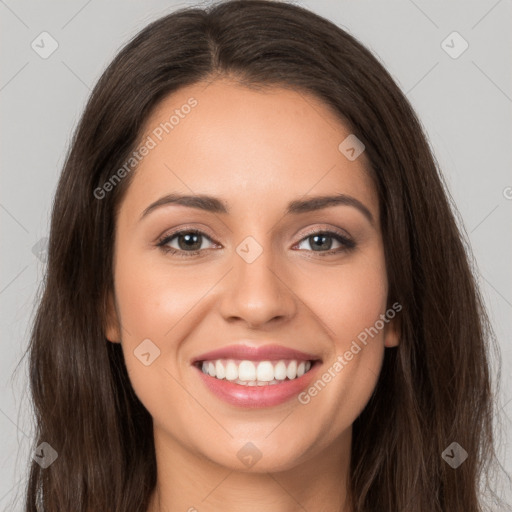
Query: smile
[254, 373]
[251, 376]
[248, 387]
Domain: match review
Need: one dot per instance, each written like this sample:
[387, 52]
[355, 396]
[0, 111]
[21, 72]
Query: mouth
[255, 373]
[247, 376]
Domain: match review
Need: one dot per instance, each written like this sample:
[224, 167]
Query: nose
[257, 292]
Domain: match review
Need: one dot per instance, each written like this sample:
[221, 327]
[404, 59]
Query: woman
[201, 344]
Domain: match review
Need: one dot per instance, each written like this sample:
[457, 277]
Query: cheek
[151, 303]
[350, 303]
[352, 297]
[152, 296]
[145, 303]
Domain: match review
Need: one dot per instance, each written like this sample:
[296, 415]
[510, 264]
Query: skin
[257, 151]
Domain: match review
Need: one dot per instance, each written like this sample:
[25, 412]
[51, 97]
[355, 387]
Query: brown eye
[188, 241]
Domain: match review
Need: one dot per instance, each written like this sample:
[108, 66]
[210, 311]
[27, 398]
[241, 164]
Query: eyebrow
[215, 205]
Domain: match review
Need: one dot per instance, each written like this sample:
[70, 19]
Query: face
[281, 282]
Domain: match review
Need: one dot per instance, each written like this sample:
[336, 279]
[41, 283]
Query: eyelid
[201, 230]
[327, 228]
[204, 230]
[346, 238]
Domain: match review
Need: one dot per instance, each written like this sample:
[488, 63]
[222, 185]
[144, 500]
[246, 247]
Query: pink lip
[251, 353]
[258, 396]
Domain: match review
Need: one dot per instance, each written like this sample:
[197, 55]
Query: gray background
[464, 103]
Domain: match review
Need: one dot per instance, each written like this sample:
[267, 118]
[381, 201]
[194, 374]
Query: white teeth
[231, 370]
[280, 371]
[246, 371]
[265, 371]
[220, 373]
[255, 383]
[291, 371]
[252, 373]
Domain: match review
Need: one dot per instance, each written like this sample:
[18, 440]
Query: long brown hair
[434, 389]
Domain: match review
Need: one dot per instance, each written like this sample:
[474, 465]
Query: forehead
[249, 147]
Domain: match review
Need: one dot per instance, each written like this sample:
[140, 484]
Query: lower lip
[258, 396]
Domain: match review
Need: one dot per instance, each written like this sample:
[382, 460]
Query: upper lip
[251, 353]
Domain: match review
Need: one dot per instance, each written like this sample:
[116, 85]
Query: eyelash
[347, 243]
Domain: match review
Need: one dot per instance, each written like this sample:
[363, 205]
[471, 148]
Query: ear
[112, 324]
[392, 332]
